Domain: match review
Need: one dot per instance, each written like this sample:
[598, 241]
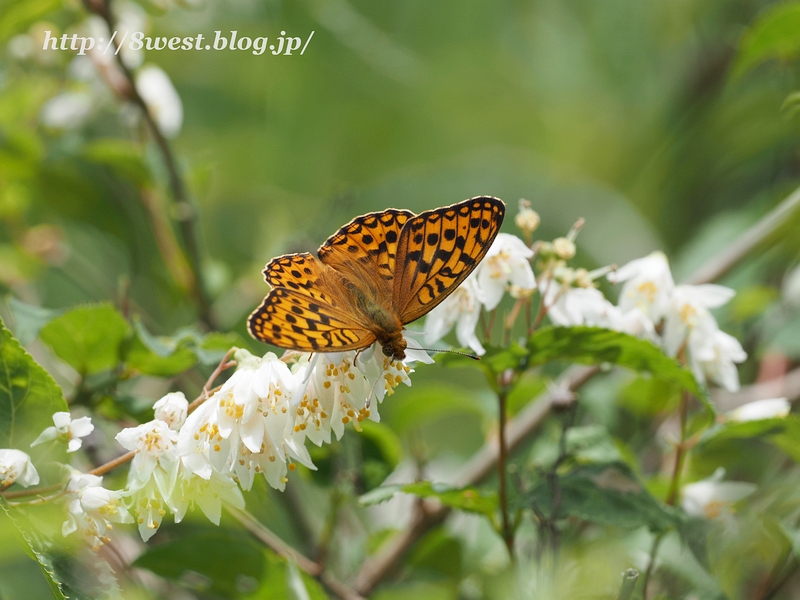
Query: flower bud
[527, 219]
[172, 409]
[564, 248]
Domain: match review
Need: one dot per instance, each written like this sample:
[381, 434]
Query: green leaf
[213, 561]
[161, 357]
[607, 494]
[783, 433]
[28, 394]
[467, 499]
[595, 346]
[774, 34]
[379, 494]
[124, 157]
[88, 338]
[32, 548]
[29, 319]
[165, 356]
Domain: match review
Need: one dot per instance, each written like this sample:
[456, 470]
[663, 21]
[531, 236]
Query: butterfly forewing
[370, 239]
[292, 319]
[438, 249]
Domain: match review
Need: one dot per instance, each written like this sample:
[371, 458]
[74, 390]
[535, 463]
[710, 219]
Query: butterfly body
[373, 276]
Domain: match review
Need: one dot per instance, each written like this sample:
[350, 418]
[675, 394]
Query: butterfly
[376, 274]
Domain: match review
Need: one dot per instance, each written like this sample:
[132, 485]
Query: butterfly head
[394, 346]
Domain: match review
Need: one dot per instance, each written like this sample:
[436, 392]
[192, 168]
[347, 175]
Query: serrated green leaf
[31, 549]
[595, 346]
[774, 35]
[219, 558]
[28, 394]
[29, 319]
[607, 494]
[88, 338]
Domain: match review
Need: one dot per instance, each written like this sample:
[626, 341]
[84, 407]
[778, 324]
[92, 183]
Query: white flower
[92, 509]
[462, 308]
[66, 111]
[163, 102]
[156, 457]
[67, 429]
[576, 306]
[648, 285]
[337, 388]
[199, 441]
[505, 262]
[209, 494]
[150, 505]
[16, 467]
[713, 354]
[713, 498]
[172, 409]
[773, 408]
[688, 309]
[246, 427]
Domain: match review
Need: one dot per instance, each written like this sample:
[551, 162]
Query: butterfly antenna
[472, 356]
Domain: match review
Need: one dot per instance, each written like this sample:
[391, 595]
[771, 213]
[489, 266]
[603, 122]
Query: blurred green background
[625, 113]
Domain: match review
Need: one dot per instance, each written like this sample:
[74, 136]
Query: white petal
[81, 427]
[773, 408]
[48, 434]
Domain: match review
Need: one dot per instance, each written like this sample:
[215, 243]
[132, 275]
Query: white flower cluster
[681, 314]
[256, 423]
[651, 306]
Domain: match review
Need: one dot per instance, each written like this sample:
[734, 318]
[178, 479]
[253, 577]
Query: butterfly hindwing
[371, 239]
[291, 319]
[301, 272]
[438, 249]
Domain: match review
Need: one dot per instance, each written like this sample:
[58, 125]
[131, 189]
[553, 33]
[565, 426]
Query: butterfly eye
[388, 351]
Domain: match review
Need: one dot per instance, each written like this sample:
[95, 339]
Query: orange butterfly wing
[405, 263]
[371, 239]
[303, 312]
[439, 248]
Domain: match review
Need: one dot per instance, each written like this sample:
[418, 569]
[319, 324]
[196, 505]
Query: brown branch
[185, 213]
[269, 539]
[730, 256]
